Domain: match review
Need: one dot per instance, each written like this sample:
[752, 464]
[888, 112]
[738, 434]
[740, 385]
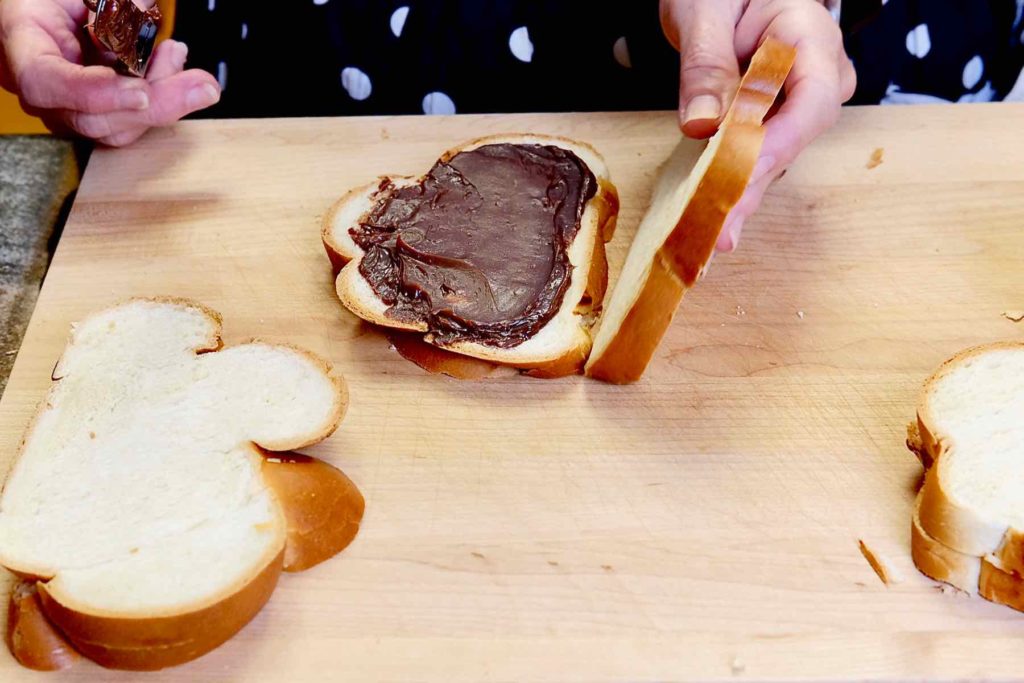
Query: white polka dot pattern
[222, 75]
[919, 41]
[437, 103]
[398, 18]
[356, 83]
[520, 45]
[973, 72]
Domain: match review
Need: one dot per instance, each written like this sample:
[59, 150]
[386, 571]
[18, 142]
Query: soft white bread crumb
[138, 491]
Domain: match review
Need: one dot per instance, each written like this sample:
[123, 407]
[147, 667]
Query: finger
[729, 238]
[709, 71]
[847, 77]
[168, 59]
[124, 138]
[172, 98]
[51, 82]
[812, 105]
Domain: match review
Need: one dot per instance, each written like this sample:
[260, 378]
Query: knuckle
[699, 58]
[31, 85]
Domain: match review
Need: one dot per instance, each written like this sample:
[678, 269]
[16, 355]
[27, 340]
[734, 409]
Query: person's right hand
[42, 43]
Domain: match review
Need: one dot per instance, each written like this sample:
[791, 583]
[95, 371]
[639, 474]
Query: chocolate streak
[478, 250]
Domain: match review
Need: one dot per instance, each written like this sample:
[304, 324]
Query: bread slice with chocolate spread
[497, 253]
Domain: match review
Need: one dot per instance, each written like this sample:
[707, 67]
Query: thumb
[709, 72]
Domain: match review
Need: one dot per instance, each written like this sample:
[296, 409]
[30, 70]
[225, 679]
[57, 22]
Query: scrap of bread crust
[971, 431]
[561, 346]
[138, 501]
[695, 191]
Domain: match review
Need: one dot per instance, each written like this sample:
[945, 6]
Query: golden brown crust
[322, 507]
[151, 644]
[685, 253]
[1002, 587]
[629, 352]
[32, 639]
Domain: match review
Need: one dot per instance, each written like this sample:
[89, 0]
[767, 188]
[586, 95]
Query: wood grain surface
[702, 524]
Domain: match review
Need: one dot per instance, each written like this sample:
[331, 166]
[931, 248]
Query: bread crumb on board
[878, 564]
[876, 158]
[738, 665]
[948, 589]
[1015, 316]
[800, 314]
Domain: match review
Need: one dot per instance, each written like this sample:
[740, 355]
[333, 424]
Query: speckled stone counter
[37, 173]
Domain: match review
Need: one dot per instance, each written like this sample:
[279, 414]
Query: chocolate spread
[478, 249]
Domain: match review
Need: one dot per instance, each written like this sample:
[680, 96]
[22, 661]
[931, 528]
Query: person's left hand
[42, 60]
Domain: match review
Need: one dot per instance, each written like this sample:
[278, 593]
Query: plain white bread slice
[562, 345]
[697, 188]
[971, 574]
[139, 500]
[970, 421]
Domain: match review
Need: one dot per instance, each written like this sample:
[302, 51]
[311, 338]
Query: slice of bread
[561, 346]
[141, 502]
[973, 575]
[697, 188]
[970, 425]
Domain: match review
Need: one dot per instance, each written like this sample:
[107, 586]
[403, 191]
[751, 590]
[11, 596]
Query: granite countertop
[37, 175]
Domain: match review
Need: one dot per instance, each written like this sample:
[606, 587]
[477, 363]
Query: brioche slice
[973, 575]
[141, 503]
[970, 422]
[558, 348]
[697, 188]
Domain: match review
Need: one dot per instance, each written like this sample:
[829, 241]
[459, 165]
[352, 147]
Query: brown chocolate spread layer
[478, 250]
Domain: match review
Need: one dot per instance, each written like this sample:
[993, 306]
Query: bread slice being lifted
[695, 191]
[450, 254]
[143, 504]
[969, 435]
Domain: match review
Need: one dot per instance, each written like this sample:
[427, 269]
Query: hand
[41, 54]
[713, 35]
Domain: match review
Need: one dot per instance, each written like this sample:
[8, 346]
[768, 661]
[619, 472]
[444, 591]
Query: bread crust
[973, 575]
[322, 507]
[944, 519]
[160, 642]
[356, 295]
[319, 514]
[32, 639]
[684, 255]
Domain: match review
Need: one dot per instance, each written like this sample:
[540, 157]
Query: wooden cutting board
[703, 523]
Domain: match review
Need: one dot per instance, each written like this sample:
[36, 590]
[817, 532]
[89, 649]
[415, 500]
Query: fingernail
[730, 237]
[180, 54]
[133, 97]
[702, 108]
[202, 96]
[762, 168]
